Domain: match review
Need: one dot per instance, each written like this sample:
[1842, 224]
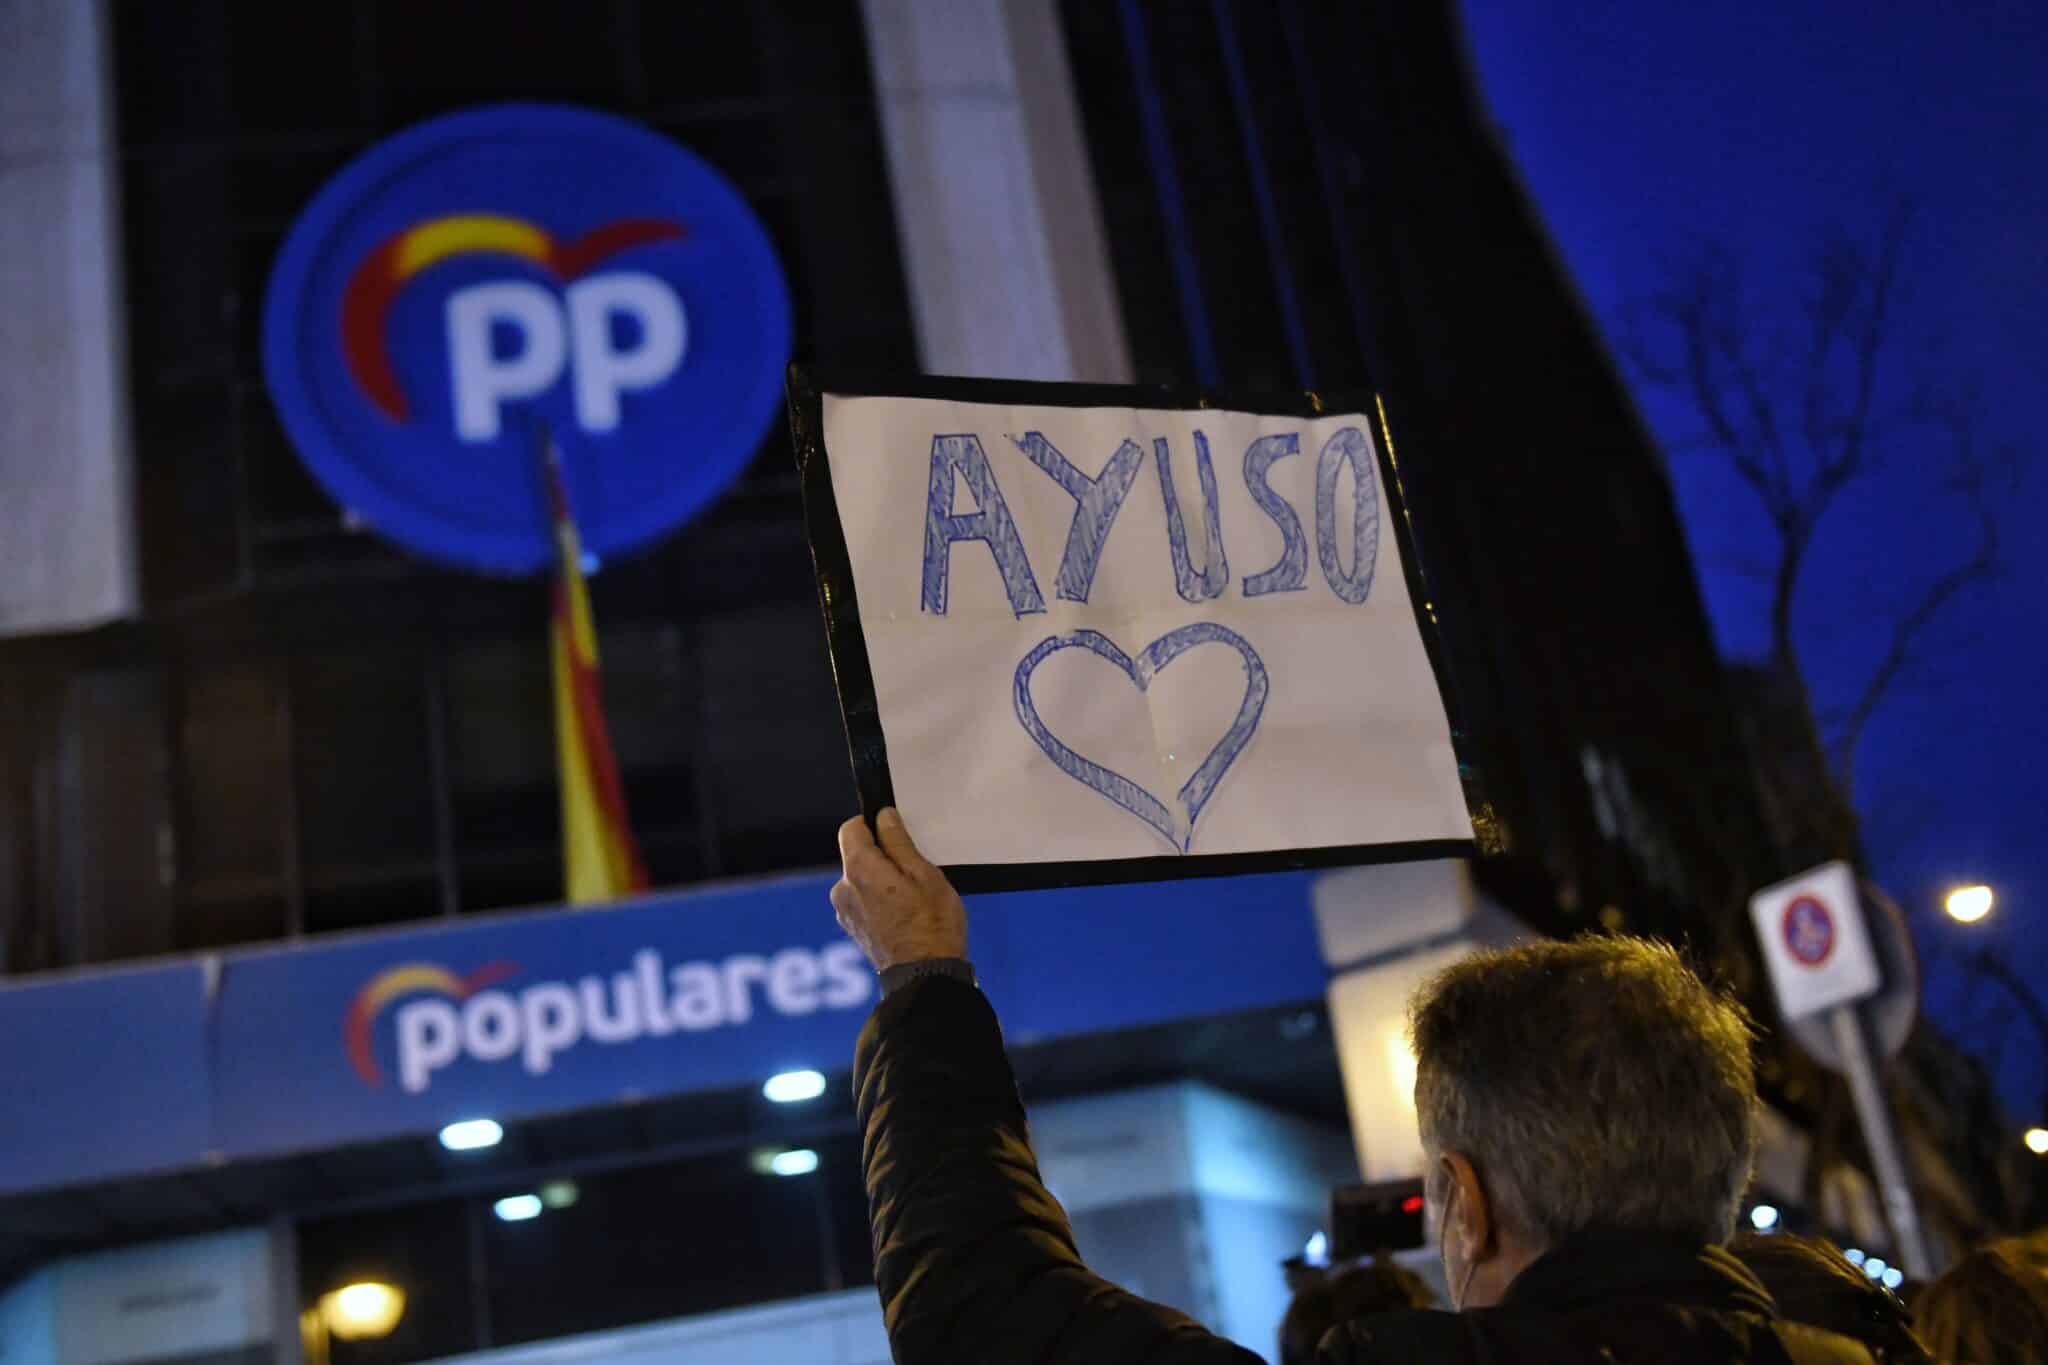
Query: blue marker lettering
[1290, 573]
[1348, 446]
[1215, 574]
[990, 523]
[1177, 827]
[1096, 503]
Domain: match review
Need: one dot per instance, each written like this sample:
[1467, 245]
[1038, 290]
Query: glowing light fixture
[472, 1135]
[1853, 1255]
[794, 1087]
[2037, 1141]
[1763, 1217]
[1874, 1267]
[1317, 1252]
[559, 1194]
[1968, 904]
[362, 1311]
[783, 1161]
[802, 1161]
[517, 1208]
[1893, 1278]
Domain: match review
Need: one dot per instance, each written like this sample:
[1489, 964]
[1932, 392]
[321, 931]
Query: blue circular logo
[496, 279]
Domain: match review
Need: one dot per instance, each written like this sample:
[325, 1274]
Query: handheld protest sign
[1085, 633]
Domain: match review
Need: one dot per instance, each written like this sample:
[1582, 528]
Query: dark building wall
[1296, 195]
[310, 731]
[1308, 196]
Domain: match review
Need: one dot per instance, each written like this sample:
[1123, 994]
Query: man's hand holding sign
[891, 901]
[974, 1258]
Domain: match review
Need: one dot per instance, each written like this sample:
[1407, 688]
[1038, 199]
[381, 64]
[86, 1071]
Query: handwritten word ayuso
[1347, 536]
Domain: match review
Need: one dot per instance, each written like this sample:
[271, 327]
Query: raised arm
[974, 1259]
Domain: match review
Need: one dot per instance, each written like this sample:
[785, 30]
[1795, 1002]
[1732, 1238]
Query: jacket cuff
[904, 973]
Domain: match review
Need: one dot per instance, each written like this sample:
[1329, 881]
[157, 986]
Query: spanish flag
[600, 859]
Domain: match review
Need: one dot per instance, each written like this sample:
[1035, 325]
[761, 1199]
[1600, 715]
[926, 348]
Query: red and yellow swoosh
[376, 282]
[409, 979]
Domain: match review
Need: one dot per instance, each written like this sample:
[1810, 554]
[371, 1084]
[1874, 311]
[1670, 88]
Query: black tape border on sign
[854, 676]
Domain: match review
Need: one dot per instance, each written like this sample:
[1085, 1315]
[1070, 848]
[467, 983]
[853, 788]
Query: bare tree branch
[1878, 278]
[1726, 336]
[1970, 477]
[1798, 408]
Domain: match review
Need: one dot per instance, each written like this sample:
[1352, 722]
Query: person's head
[1812, 1282]
[1357, 1292]
[1991, 1308]
[1566, 1087]
[2030, 1248]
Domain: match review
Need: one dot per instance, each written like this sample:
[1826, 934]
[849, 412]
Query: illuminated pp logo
[513, 339]
[487, 276]
[580, 338]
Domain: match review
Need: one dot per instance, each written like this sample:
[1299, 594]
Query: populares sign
[340, 1039]
[497, 1013]
[487, 274]
[1086, 633]
[525, 1014]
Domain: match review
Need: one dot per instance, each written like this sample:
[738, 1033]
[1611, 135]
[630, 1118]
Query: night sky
[1644, 131]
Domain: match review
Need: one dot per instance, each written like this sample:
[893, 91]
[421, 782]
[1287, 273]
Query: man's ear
[1477, 1221]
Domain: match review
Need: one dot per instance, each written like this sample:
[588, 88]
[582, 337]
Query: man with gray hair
[1597, 1085]
[1588, 1113]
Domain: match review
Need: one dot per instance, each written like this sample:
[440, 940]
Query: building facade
[296, 758]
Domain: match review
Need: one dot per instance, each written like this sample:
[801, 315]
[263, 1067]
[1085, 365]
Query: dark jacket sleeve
[974, 1259]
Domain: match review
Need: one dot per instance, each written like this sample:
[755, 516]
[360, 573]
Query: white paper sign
[1815, 941]
[1105, 633]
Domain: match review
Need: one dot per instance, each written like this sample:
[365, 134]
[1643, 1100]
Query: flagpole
[601, 860]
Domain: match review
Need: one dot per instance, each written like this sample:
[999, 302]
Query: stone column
[66, 519]
[1001, 228]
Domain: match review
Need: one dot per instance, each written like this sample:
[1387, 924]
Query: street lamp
[1968, 904]
[362, 1311]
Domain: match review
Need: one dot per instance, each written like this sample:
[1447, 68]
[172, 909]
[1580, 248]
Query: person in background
[1357, 1291]
[1588, 1116]
[1991, 1308]
[1300, 1273]
[1812, 1282]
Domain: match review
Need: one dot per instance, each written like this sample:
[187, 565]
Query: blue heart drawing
[1196, 791]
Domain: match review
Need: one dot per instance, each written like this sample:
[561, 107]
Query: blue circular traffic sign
[490, 280]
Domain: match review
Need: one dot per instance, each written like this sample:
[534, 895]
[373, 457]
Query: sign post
[1822, 963]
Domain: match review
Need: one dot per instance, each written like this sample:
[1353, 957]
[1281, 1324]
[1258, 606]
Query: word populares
[648, 1001]
[1098, 499]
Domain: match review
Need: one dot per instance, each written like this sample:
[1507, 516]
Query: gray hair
[1598, 1083]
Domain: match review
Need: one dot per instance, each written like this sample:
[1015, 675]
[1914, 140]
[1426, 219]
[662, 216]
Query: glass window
[588, 1252]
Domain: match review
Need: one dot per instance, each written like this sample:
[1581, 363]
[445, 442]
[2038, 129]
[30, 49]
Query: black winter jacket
[975, 1261]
